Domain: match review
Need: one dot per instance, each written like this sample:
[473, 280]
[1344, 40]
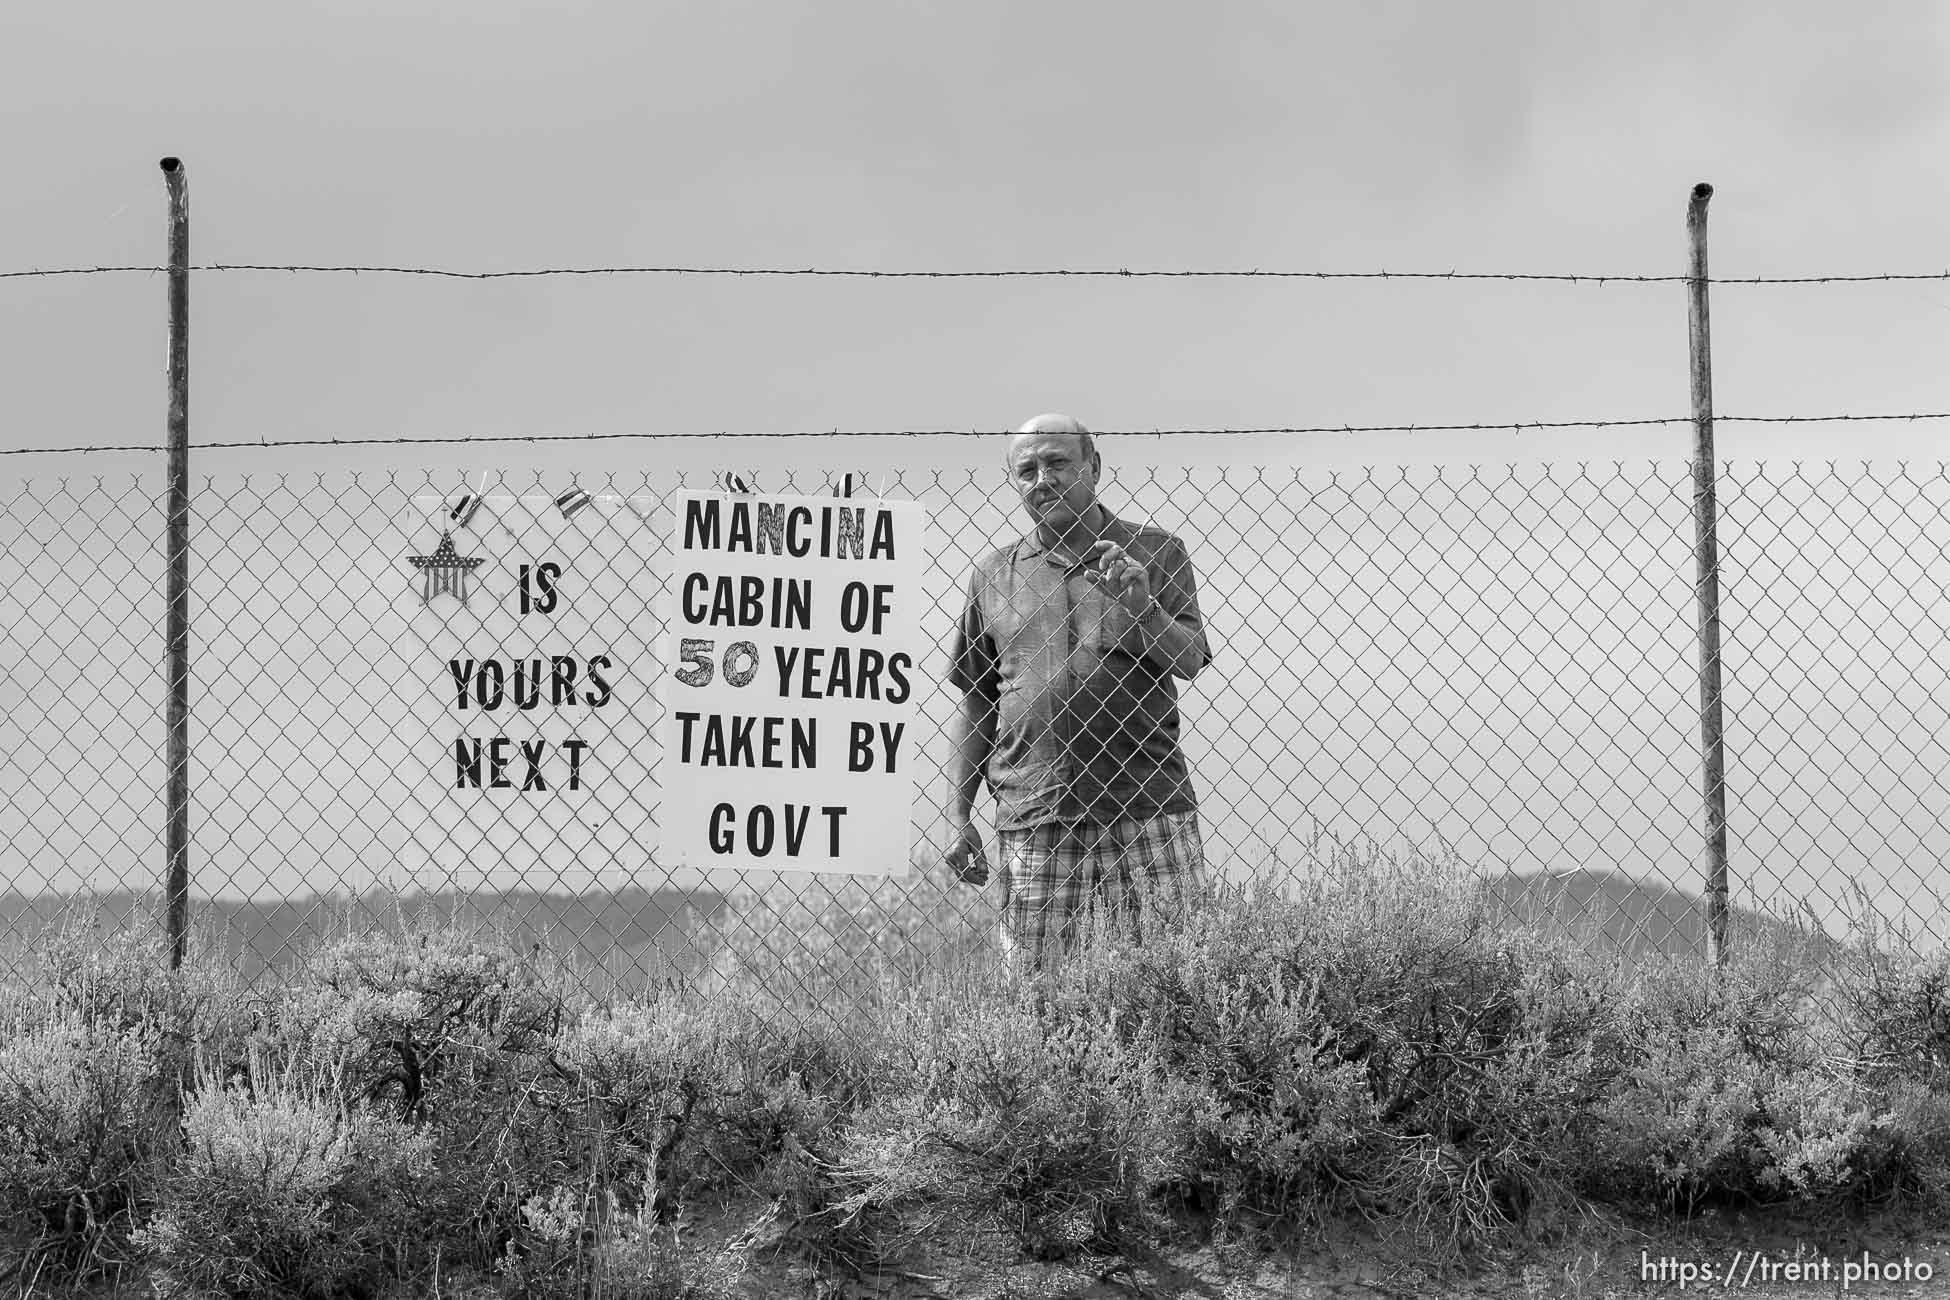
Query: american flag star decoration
[446, 570]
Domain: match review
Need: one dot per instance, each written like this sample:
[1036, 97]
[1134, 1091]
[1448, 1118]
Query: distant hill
[1622, 913]
[628, 935]
[631, 937]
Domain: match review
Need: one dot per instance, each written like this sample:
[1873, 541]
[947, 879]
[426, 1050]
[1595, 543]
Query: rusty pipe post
[176, 635]
[1706, 554]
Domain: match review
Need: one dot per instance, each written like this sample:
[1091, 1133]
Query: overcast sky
[491, 135]
[1557, 137]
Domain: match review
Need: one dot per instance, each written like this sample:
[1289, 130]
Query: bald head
[1055, 422]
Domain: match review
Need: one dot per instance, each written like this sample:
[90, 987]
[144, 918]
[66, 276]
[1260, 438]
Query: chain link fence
[1498, 664]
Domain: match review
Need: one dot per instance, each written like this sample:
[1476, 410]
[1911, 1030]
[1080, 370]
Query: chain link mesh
[1497, 661]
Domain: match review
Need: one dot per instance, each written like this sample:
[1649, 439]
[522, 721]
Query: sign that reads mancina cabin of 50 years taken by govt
[790, 675]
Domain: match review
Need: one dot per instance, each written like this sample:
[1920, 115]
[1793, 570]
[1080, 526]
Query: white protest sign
[790, 680]
[531, 656]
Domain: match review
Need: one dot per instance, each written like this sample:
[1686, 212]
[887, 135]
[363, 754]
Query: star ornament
[445, 571]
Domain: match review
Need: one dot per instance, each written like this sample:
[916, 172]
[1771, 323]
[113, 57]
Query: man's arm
[971, 737]
[973, 669]
[972, 740]
[1171, 645]
[1169, 627]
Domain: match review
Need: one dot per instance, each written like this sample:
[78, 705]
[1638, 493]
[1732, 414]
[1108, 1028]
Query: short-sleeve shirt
[1086, 726]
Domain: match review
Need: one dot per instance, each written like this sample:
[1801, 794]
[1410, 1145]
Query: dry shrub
[580, 1244]
[1061, 1132]
[1899, 1004]
[1370, 1042]
[87, 1123]
[453, 1033]
[820, 943]
[93, 1065]
[287, 1188]
[1736, 1090]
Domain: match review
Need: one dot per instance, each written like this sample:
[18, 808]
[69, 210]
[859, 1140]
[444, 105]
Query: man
[1067, 658]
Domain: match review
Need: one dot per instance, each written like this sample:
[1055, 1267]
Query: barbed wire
[1520, 426]
[1121, 273]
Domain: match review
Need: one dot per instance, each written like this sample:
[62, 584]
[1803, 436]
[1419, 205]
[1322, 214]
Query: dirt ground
[1761, 1256]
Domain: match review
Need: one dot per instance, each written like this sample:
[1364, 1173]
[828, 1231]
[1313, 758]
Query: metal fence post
[176, 673]
[1707, 563]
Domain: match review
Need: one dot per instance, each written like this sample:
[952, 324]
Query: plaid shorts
[1053, 874]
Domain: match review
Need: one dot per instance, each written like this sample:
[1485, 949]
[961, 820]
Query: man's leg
[1045, 885]
[1158, 858]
